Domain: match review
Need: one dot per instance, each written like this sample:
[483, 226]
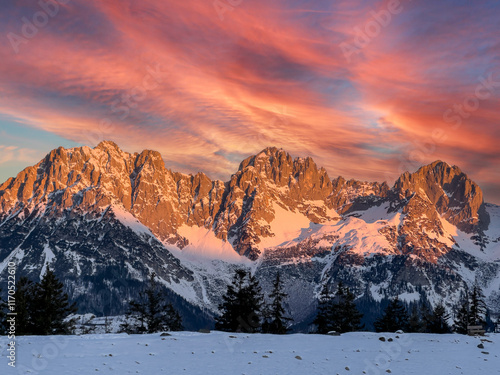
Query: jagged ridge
[73, 208]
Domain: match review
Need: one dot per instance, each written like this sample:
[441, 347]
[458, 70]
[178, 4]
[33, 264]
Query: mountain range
[103, 219]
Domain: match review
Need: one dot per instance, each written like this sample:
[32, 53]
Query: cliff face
[89, 180]
[241, 209]
[101, 215]
[449, 190]
[264, 182]
[92, 179]
[354, 195]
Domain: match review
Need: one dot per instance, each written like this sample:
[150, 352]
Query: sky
[369, 89]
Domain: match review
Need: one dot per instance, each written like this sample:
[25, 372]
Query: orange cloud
[207, 92]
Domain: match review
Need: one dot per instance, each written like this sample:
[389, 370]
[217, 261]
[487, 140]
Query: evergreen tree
[276, 321]
[3, 315]
[174, 319]
[25, 306]
[51, 307]
[241, 305]
[415, 323]
[230, 307]
[462, 318]
[151, 313]
[135, 321]
[425, 316]
[323, 320]
[254, 302]
[488, 322]
[477, 306]
[394, 317]
[345, 316]
[438, 321]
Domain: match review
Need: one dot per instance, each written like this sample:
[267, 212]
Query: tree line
[243, 310]
[151, 312]
[43, 308]
[423, 318]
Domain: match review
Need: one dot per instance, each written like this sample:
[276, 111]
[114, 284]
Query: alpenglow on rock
[455, 196]
[104, 218]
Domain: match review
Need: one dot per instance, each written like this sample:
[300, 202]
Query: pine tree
[151, 313]
[230, 307]
[241, 305]
[173, 318]
[135, 321]
[254, 302]
[25, 306]
[462, 319]
[51, 307]
[276, 321]
[394, 318]
[345, 316]
[323, 319]
[489, 324]
[415, 323]
[3, 315]
[438, 321]
[477, 306]
[425, 316]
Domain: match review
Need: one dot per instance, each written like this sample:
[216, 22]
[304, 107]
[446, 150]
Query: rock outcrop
[450, 191]
[105, 218]
[240, 210]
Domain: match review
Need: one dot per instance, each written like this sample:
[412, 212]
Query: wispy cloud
[225, 82]
[18, 154]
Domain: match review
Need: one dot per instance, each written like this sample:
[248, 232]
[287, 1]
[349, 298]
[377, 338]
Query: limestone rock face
[88, 180]
[350, 195]
[104, 218]
[243, 209]
[420, 230]
[449, 190]
[264, 182]
[302, 176]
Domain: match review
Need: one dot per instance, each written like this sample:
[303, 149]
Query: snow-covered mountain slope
[104, 218]
[219, 353]
[364, 250]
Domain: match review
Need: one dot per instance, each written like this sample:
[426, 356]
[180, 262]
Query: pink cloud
[268, 74]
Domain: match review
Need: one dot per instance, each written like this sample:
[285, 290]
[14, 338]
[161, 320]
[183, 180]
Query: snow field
[236, 353]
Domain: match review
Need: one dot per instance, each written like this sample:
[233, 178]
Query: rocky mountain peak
[240, 211]
[300, 175]
[108, 145]
[273, 163]
[265, 183]
[101, 215]
[451, 191]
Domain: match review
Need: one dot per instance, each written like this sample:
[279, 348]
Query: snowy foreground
[225, 353]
